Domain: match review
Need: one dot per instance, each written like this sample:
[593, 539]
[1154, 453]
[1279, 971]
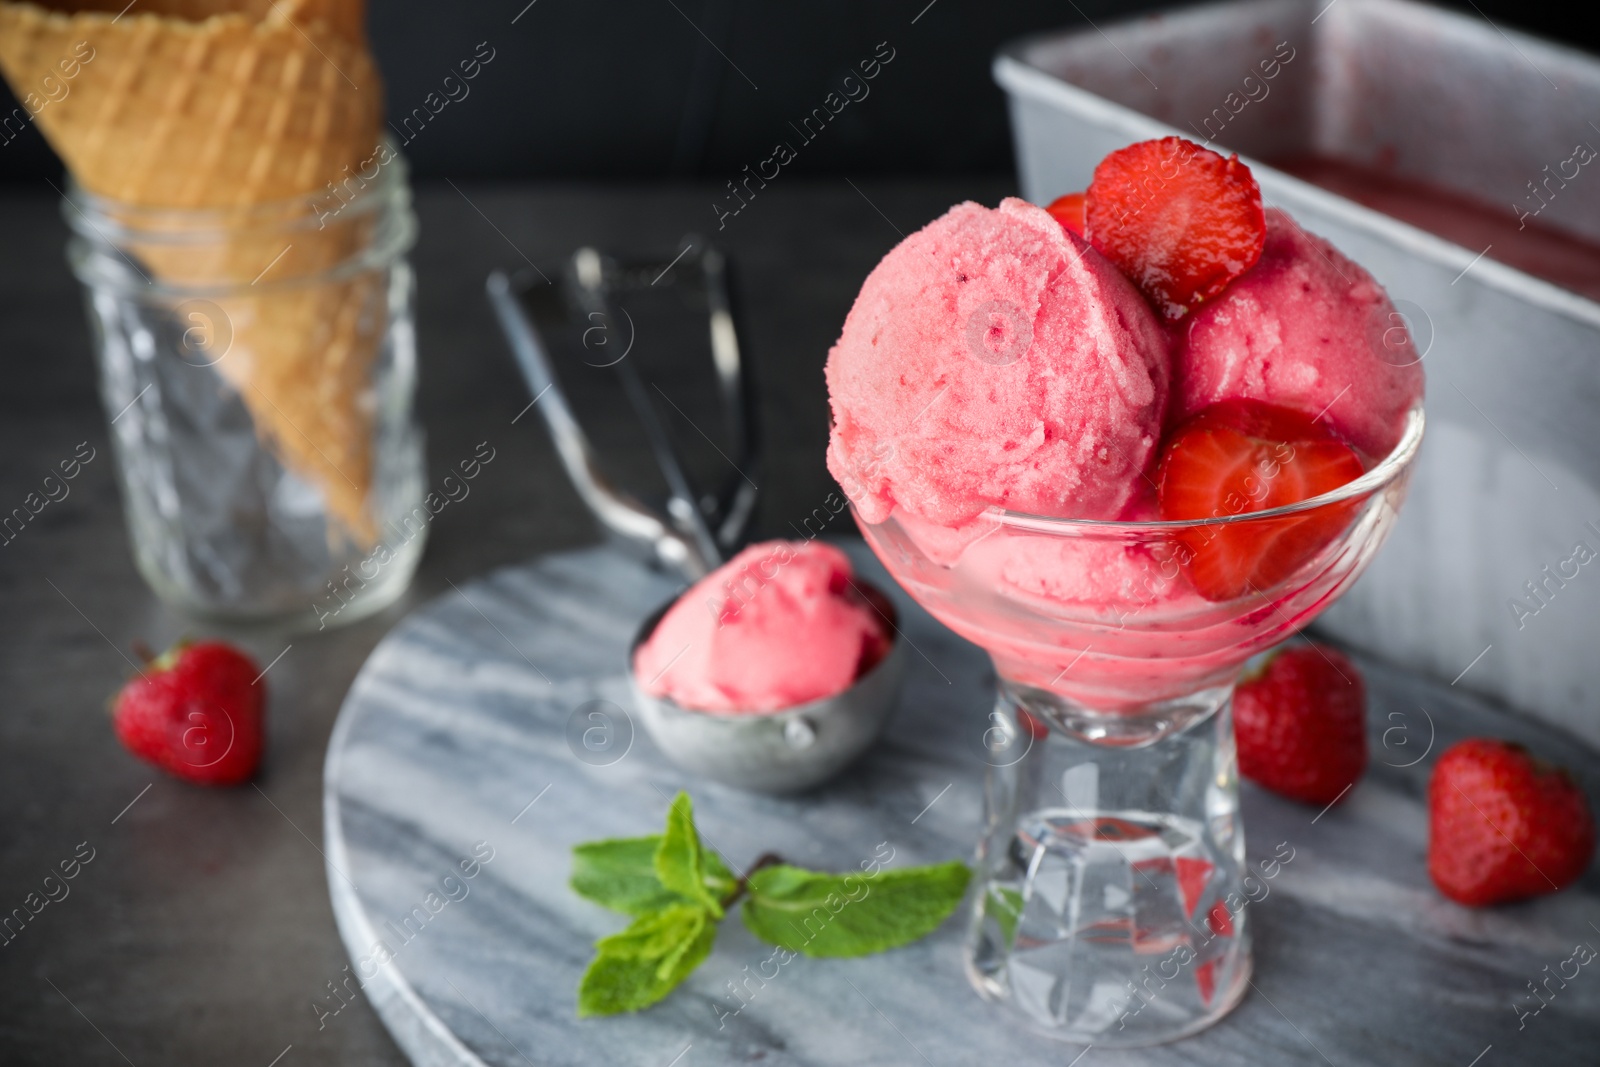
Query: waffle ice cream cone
[237, 112]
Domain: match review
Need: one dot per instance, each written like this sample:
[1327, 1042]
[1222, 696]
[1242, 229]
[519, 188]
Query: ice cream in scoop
[783, 623]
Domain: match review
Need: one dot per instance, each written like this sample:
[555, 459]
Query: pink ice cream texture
[781, 624]
[1305, 328]
[992, 358]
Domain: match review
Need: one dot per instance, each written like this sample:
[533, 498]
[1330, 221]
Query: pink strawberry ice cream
[1097, 578]
[1308, 329]
[992, 358]
[782, 623]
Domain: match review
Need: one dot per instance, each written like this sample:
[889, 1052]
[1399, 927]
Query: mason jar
[257, 366]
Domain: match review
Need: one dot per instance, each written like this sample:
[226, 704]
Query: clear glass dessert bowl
[1113, 894]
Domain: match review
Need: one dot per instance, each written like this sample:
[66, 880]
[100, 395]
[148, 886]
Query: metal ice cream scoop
[687, 300]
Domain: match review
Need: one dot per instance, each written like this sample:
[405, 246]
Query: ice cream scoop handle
[618, 511]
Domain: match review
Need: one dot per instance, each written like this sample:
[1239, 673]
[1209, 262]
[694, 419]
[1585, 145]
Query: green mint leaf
[639, 966]
[620, 874]
[851, 915]
[679, 860]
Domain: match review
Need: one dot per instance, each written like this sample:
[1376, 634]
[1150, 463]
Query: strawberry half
[1300, 721]
[1503, 826]
[1241, 456]
[1179, 220]
[1068, 210]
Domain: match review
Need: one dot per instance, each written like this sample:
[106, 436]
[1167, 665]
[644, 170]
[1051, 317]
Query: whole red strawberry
[1503, 825]
[1300, 723]
[196, 712]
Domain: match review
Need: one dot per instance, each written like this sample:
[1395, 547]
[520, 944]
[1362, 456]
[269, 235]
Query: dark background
[634, 88]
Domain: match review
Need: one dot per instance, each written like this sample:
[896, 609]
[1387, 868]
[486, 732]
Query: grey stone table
[454, 748]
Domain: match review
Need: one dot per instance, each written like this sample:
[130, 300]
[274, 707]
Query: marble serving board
[460, 751]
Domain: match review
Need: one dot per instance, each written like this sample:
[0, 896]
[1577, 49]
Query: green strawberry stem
[163, 662]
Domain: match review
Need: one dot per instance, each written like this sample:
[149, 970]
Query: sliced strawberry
[1068, 210]
[1193, 875]
[1241, 456]
[1205, 979]
[1220, 920]
[1179, 220]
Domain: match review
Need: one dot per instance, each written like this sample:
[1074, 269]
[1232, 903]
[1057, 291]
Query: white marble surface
[458, 722]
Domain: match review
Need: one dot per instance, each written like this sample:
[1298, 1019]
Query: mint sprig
[677, 891]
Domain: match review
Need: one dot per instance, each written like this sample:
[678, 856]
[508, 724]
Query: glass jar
[257, 366]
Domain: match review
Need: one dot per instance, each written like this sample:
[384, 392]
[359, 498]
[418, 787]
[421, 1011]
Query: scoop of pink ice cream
[780, 624]
[992, 358]
[1307, 329]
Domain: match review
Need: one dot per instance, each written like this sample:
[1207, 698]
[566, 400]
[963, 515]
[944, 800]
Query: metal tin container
[1488, 579]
